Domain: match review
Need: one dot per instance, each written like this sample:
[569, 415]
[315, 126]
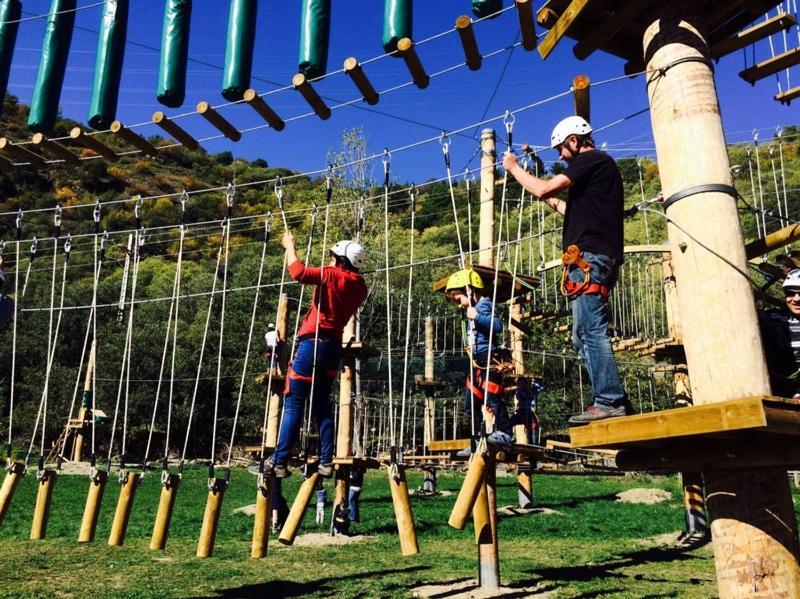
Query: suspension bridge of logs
[699, 383]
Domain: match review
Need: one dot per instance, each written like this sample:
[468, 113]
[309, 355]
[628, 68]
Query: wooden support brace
[131, 138]
[299, 507]
[263, 518]
[208, 532]
[166, 503]
[301, 84]
[97, 486]
[55, 149]
[771, 66]
[527, 26]
[122, 515]
[402, 510]
[258, 104]
[13, 477]
[224, 126]
[92, 143]
[44, 496]
[356, 73]
[772, 241]
[406, 49]
[173, 129]
[20, 153]
[580, 92]
[561, 27]
[599, 36]
[469, 490]
[467, 36]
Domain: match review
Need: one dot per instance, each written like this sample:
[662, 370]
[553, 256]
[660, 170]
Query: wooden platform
[771, 66]
[278, 380]
[750, 420]
[452, 445]
[369, 463]
[504, 281]
[360, 350]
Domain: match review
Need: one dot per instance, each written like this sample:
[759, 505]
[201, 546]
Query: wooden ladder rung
[752, 34]
[771, 66]
[789, 95]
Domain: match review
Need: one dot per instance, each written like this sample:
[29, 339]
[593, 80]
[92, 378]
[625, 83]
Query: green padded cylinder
[484, 8]
[396, 23]
[174, 53]
[10, 10]
[315, 29]
[108, 64]
[52, 66]
[239, 49]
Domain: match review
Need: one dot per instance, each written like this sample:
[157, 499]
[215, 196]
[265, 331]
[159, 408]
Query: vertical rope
[386, 159]
[413, 207]
[18, 226]
[96, 217]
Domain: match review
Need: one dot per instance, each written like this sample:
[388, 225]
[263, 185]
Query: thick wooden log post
[14, 475]
[122, 515]
[94, 499]
[299, 507]
[344, 431]
[488, 556]
[44, 496]
[521, 430]
[208, 532]
[166, 503]
[276, 397]
[754, 526]
[671, 299]
[263, 518]
[402, 510]
[486, 231]
[84, 413]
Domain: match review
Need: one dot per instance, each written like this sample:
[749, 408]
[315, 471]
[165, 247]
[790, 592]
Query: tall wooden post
[429, 415]
[486, 231]
[276, 397]
[85, 412]
[344, 436]
[754, 527]
[521, 429]
[671, 305]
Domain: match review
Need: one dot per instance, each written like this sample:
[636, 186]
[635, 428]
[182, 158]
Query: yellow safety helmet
[464, 278]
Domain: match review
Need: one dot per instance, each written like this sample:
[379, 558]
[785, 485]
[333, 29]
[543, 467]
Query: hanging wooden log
[92, 143]
[402, 510]
[171, 128]
[480, 517]
[55, 149]
[132, 138]
[469, 490]
[406, 48]
[258, 104]
[44, 496]
[13, 477]
[580, 93]
[208, 533]
[299, 507]
[527, 26]
[488, 558]
[468, 42]
[301, 84]
[263, 518]
[20, 153]
[356, 73]
[97, 485]
[166, 503]
[122, 515]
[217, 120]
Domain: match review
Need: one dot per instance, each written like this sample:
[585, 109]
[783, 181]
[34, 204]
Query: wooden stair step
[789, 95]
[771, 66]
[752, 34]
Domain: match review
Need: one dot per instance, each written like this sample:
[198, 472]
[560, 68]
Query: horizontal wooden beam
[258, 104]
[303, 85]
[749, 420]
[172, 128]
[789, 95]
[527, 25]
[771, 66]
[610, 27]
[752, 34]
[134, 139]
[55, 149]
[92, 143]
[406, 49]
[561, 27]
[772, 241]
[20, 153]
[359, 78]
[468, 42]
[451, 445]
[218, 121]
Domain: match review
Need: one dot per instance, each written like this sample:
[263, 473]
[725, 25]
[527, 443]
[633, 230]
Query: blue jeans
[329, 352]
[352, 503]
[494, 398]
[590, 332]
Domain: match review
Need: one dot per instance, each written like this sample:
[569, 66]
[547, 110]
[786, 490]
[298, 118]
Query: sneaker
[464, 453]
[595, 412]
[629, 409]
[500, 438]
[325, 470]
[278, 470]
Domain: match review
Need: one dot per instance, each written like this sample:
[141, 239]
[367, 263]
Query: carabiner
[68, 244]
[279, 191]
[230, 193]
[57, 216]
[508, 120]
[96, 212]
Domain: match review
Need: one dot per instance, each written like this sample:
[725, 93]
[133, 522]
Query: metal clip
[230, 193]
[386, 159]
[18, 222]
[469, 176]
[104, 241]
[57, 216]
[96, 212]
[268, 222]
[755, 136]
[279, 191]
[141, 236]
[778, 132]
[508, 120]
[444, 141]
[34, 246]
[68, 244]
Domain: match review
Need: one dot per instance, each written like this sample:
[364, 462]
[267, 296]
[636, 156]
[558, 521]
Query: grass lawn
[592, 546]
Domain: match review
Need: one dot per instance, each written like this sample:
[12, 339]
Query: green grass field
[593, 546]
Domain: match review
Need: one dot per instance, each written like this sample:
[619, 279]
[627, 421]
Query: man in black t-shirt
[593, 223]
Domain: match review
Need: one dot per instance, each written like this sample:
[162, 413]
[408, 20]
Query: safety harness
[572, 258]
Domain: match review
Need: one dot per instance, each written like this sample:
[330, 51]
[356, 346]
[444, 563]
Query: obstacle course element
[301, 83]
[239, 49]
[467, 36]
[224, 126]
[356, 73]
[10, 11]
[258, 104]
[54, 149]
[108, 64]
[315, 28]
[172, 128]
[129, 482]
[174, 53]
[397, 23]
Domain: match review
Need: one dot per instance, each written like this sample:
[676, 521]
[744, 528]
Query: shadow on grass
[288, 588]
[575, 502]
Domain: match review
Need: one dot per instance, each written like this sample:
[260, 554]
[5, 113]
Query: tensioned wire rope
[413, 207]
[12, 384]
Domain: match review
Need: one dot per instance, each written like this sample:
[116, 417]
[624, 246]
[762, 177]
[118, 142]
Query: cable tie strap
[696, 189]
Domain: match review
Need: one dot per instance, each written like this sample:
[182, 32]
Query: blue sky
[453, 100]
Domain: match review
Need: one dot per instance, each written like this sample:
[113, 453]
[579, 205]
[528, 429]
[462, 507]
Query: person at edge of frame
[780, 334]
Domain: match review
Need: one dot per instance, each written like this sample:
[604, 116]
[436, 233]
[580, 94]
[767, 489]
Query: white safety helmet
[352, 250]
[572, 125]
[271, 325]
[792, 279]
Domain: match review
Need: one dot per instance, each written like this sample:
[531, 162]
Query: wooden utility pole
[429, 417]
[344, 435]
[521, 430]
[754, 527]
[486, 212]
